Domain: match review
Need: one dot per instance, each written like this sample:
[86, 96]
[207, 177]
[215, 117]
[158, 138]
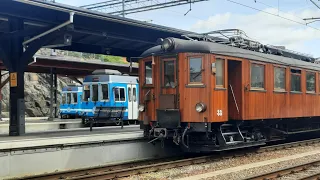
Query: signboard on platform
[13, 80]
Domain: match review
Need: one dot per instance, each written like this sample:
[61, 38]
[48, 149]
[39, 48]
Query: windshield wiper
[199, 73]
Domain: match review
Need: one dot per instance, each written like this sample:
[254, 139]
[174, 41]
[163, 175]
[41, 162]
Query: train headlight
[167, 44]
[141, 107]
[200, 107]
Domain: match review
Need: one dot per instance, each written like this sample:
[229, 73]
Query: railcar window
[195, 70]
[134, 94]
[311, 81]
[279, 78]
[168, 72]
[95, 92]
[295, 80]
[122, 94]
[75, 98]
[64, 98]
[119, 94]
[68, 98]
[105, 91]
[86, 93]
[220, 72]
[257, 76]
[148, 72]
[129, 93]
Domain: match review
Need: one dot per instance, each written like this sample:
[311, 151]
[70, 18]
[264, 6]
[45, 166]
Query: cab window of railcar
[86, 93]
[119, 94]
[311, 81]
[105, 92]
[68, 98]
[75, 98]
[168, 73]
[195, 70]
[122, 94]
[148, 72]
[220, 73]
[257, 76]
[279, 78]
[95, 92]
[295, 80]
[64, 98]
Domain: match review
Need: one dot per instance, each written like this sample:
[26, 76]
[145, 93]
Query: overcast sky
[257, 21]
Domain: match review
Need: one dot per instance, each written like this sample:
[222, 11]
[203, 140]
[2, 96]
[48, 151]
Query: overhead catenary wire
[260, 10]
[315, 4]
[278, 9]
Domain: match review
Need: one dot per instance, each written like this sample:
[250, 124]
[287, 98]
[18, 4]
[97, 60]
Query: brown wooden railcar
[209, 96]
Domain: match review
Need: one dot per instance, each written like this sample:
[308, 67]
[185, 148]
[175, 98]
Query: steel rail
[311, 177]
[287, 171]
[139, 167]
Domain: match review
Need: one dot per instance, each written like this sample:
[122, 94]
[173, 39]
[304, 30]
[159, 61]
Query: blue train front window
[68, 98]
[75, 98]
[64, 98]
[105, 92]
[95, 92]
[86, 93]
[119, 94]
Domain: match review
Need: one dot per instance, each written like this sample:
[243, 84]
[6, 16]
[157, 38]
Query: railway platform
[41, 124]
[47, 152]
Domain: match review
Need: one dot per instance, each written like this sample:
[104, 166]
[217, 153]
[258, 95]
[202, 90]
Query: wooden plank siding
[271, 104]
[253, 104]
[219, 99]
[191, 94]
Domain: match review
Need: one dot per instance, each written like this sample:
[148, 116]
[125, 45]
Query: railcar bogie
[207, 96]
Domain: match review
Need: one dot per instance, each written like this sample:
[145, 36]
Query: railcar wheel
[118, 122]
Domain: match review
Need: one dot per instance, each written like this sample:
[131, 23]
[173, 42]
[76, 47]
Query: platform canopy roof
[91, 31]
[70, 66]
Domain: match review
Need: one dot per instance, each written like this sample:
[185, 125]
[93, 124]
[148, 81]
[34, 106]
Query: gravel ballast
[219, 164]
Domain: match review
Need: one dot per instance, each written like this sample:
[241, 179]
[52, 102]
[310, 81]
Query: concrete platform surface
[40, 125]
[101, 147]
[27, 118]
[72, 136]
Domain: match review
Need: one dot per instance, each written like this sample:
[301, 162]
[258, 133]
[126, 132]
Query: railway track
[307, 171]
[140, 167]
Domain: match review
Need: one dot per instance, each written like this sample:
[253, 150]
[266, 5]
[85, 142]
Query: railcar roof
[111, 79]
[182, 45]
[72, 88]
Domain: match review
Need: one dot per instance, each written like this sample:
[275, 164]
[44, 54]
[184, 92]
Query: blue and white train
[70, 106]
[109, 96]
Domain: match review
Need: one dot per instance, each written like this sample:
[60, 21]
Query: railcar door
[168, 90]
[132, 101]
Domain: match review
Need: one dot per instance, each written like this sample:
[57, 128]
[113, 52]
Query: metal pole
[123, 8]
[1, 97]
[55, 94]
[51, 95]
[17, 105]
